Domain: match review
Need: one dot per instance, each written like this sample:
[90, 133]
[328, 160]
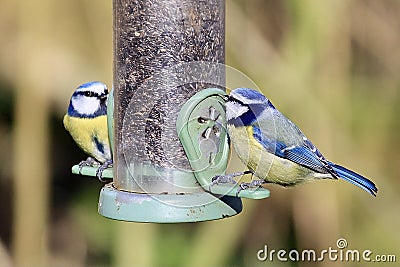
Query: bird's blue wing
[270, 145]
[307, 158]
[302, 155]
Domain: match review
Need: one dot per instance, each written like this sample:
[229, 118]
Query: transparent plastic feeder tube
[158, 47]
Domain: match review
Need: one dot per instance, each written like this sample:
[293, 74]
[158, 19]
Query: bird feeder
[166, 114]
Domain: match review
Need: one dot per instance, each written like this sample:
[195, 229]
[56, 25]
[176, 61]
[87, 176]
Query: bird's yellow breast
[266, 165]
[85, 131]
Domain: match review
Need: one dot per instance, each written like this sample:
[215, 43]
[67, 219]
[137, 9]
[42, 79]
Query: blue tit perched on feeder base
[86, 121]
[274, 148]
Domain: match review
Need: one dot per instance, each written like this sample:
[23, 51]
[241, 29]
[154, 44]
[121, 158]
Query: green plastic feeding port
[201, 127]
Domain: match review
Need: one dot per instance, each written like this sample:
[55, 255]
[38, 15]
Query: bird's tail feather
[355, 179]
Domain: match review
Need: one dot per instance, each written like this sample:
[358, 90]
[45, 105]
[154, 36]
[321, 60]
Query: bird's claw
[89, 162]
[102, 168]
[228, 178]
[223, 179]
[254, 183]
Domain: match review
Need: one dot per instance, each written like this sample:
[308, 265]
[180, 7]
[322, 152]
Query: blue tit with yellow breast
[274, 148]
[86, 121]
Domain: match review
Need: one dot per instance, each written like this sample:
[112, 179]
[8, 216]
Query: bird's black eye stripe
[89, 94]
[232, 99]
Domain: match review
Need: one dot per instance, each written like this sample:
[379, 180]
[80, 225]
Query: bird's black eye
[88, 93]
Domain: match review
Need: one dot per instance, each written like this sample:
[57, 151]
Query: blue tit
[86, 121]
[274, 148]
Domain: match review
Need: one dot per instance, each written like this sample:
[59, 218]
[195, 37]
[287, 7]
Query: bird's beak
[103, 97]
[224, 97]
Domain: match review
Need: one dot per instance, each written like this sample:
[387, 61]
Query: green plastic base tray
[161, 208]
[165, 208]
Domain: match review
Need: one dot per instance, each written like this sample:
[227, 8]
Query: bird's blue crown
[250, 95]
[255, 102]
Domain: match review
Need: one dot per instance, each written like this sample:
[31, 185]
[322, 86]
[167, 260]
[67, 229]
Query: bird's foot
[222, 179]
[228, 178]
[104, 166]
[89, 162]
[252, 184]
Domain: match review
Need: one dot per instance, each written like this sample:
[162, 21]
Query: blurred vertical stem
[227, 233]
[134, 243]
[31, 172]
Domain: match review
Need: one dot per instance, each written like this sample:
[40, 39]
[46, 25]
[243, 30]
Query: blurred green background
[331, 66]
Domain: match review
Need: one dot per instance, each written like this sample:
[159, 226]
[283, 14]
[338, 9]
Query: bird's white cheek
[85, 105]
[234, 110]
